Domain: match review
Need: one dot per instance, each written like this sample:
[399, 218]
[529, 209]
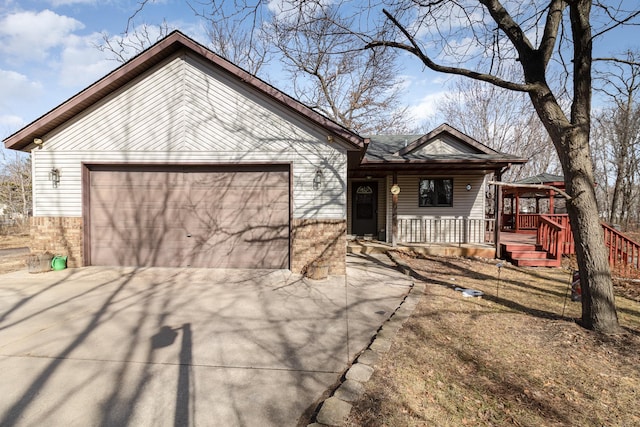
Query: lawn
[514, 356]
[10, 261]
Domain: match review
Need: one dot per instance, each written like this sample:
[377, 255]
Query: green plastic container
[59, 263]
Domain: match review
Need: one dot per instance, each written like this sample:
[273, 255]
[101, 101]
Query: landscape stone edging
[335, 409]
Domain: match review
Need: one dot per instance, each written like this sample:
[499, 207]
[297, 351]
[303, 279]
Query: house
[180, 158]
[440, 185]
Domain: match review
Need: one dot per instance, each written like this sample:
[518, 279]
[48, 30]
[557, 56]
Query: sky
[48, 53]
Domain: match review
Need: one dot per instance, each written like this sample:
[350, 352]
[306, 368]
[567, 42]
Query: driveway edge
[335, 410]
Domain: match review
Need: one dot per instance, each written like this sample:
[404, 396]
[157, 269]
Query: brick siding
[319, 240]
[58, 236]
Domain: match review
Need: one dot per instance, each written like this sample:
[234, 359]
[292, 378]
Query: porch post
[552, 208]
[394, 213]
[516, 217]
[498, 213]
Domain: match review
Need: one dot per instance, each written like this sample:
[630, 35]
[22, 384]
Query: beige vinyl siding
[466, 205]
[183, 112]
[444, 144]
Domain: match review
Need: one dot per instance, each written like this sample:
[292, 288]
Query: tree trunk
[598, 306]
[572, 144]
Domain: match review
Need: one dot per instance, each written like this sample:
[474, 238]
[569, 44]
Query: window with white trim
[435, 192]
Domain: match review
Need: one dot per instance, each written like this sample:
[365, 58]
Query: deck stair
[526, 255]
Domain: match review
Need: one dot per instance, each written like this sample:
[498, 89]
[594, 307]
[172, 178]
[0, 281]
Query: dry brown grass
[13, 262]
[14, 241]
[509, 358]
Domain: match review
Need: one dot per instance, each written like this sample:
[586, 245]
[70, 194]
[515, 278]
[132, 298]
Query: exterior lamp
[54, 177]
[317, 180]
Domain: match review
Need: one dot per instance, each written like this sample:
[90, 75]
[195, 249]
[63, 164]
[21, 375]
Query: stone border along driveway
[334, 410]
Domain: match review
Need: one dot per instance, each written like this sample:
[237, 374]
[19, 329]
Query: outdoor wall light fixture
[317, 180]
[54, 177]
[468, 187]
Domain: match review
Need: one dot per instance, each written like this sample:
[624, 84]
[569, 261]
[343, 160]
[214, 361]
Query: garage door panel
[199, 219]
[215, 252]
[143, 256]
[239, 196]
[237, 179]
[271, 253]
[136, 179]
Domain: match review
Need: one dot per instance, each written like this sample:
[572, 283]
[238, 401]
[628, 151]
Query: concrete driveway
[177, 347]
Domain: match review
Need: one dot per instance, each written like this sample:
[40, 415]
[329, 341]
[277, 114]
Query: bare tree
[132, 41]
[503, 120]
[247, 49]
[15, 188]
[324, 63]
[601, 159]
[333, 75]
[532, 34]
[619, 127]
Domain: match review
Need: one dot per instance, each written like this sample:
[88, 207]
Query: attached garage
[227, 216]
[179, 158]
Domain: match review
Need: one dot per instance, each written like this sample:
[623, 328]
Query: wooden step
[536, 262]
[528, 254]
[511, 247]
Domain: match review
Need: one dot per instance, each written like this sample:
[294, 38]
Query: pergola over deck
[520, 220]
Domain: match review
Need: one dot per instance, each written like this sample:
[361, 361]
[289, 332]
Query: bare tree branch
[426, 60]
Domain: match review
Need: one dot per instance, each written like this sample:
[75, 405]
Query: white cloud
[9, 124]
[56, 3]
[31, 35]
[81, 63]
[291, 11]
[15, 85]
[426, 107]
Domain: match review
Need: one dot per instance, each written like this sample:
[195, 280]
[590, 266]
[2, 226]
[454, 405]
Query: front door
[365, 208]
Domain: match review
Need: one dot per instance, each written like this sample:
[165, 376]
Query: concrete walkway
[115, 347]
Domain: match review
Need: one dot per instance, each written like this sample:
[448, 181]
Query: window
[435, 192]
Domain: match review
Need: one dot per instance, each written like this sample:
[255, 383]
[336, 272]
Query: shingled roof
[407, 151]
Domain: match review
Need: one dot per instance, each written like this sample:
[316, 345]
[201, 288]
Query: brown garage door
[197, 217]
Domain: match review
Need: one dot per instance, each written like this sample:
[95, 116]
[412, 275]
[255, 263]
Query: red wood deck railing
[528, 221]
[551, 237]
[623, 252]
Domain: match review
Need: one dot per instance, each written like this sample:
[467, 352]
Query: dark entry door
[365, 208]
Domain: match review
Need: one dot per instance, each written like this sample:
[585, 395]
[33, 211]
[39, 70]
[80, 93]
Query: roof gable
[170, 45]
[444, 149]
[445, 140]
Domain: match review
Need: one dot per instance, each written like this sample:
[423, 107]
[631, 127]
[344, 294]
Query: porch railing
[551, 236]
[528, 221]
[623, 252]
[445, 230]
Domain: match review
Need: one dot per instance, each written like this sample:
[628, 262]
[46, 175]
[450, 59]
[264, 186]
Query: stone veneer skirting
[313, 240]
[316, 240]
[58, 236]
